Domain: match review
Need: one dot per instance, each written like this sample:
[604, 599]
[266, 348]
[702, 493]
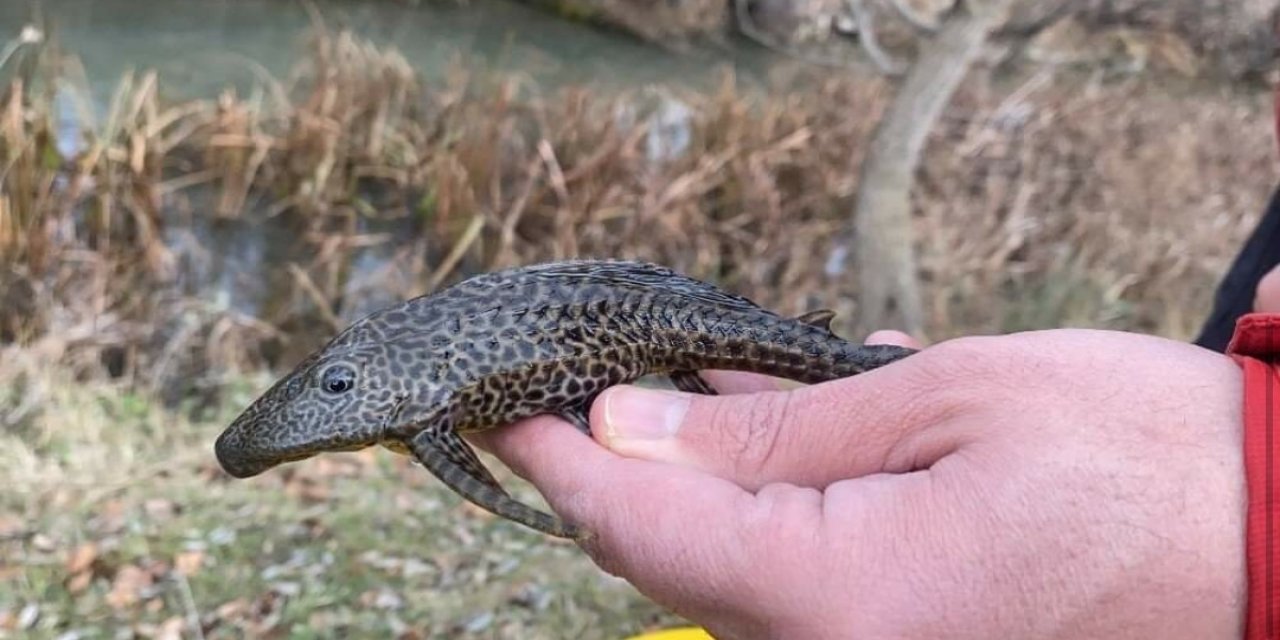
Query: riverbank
[1225, 38]
[199, 240]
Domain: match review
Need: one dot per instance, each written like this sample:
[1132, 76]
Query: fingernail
[635, 413]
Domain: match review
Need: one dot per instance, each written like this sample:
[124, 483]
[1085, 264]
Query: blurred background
[194, 194]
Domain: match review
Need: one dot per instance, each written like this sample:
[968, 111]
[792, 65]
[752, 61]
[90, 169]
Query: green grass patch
[159, 542]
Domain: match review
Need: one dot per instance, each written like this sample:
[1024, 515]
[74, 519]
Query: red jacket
[1256, 346]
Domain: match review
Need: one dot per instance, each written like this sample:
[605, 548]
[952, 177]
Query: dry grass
[1056, 200]
[1117, 206]
[1114, 203]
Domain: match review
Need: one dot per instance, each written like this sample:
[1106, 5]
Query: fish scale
[504, 346]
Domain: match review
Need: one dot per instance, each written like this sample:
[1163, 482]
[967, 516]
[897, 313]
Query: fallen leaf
[232, 609]
[79, 582]
[381, 599]
[12, 527]
[127, 587]
[307, 489]
[112, 516]
[315, 528]
[42, 542]
[81, 559]
[159, 509]
[188, 563]
[266, 612]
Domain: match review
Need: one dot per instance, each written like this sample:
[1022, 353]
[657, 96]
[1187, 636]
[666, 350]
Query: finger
[675, 533]
[1267, 299]
[735, 382]
[702, 546]
[878, 421]
[895, 338]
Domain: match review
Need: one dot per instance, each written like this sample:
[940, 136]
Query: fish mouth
[242, 452]
[240, 456]
[238, 464]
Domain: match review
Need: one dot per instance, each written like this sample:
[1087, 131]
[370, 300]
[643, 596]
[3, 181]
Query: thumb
[874, 422]
[1267, 299]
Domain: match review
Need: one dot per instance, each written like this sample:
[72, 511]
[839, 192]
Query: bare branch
[748, 28]
[865, 19]
[909, 15]
[880, 236]
[1046, 16]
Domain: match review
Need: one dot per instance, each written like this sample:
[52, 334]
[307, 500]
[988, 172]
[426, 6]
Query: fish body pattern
[508, 345]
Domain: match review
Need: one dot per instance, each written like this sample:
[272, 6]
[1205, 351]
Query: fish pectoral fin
[463, 457]
[820, 318]
[691, 382]
[448, 457]
[578, 416]
[579, 413]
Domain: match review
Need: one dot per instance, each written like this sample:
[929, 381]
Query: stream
[201, 47]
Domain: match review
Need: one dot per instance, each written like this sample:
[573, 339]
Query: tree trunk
[880, 237]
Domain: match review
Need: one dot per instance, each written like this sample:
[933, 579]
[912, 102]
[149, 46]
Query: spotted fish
[499, 347]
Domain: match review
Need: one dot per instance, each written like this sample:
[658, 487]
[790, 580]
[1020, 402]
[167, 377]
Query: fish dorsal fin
[641, 274]
[820, 318]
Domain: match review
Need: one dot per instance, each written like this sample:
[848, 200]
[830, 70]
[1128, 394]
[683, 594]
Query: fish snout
[232, 458]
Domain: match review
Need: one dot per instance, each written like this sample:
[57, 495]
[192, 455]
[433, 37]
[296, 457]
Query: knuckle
[782, 517]
[750, 429]
[962, 369]
[968, 355]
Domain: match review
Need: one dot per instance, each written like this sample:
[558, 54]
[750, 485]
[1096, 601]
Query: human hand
[1063, 484]
[1267, 299]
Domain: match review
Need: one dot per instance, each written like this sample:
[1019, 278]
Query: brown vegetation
[1065, 201]
[1234, 38]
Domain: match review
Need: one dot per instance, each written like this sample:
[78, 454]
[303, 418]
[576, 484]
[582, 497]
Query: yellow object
[683, 633]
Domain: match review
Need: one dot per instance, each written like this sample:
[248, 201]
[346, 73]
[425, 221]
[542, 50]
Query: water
[201, 46]
[241, 264]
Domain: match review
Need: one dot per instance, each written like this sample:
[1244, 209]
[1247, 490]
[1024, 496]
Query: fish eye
[338, 379]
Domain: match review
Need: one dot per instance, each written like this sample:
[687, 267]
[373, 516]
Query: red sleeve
[1256, 346]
